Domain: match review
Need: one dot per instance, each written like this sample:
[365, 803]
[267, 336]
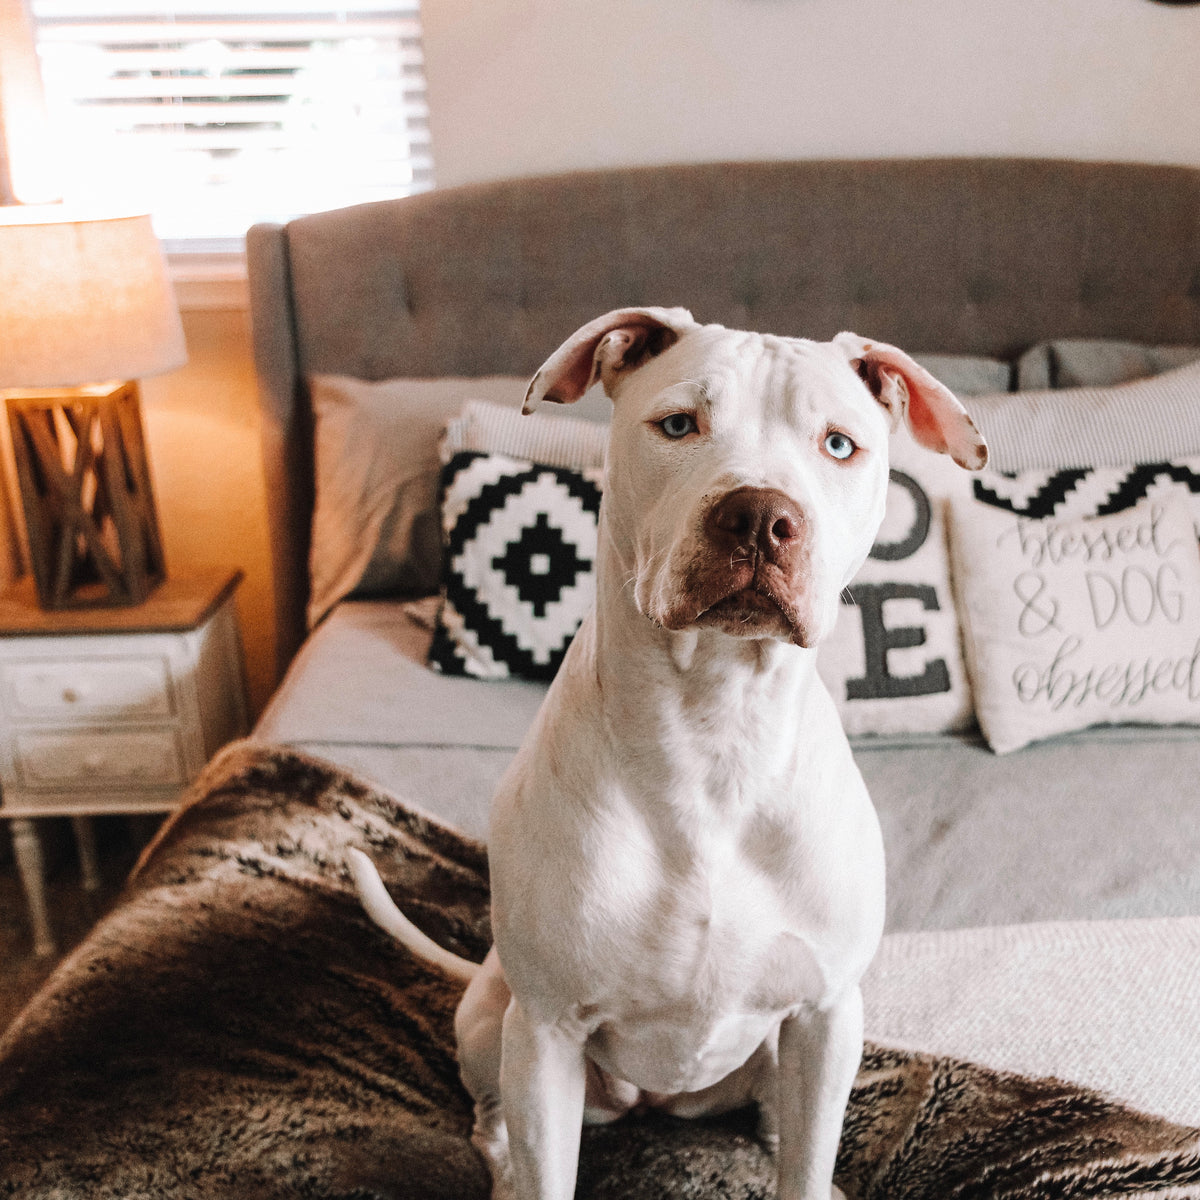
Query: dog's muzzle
[748, 577]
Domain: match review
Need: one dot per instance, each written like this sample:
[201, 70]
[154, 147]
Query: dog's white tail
[381, 908]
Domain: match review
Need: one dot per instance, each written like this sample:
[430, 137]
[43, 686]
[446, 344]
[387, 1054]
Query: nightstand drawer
[94, 759]
[134, 688]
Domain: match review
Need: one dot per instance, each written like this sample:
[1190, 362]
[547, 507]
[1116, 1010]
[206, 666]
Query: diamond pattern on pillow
[519, 567]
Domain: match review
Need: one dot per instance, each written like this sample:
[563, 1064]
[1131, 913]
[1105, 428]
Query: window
[215, 114]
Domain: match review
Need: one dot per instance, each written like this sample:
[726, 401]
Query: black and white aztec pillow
[1087, 491]
[518, 571]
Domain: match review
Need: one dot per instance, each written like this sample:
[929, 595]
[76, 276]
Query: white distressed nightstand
[111, 710]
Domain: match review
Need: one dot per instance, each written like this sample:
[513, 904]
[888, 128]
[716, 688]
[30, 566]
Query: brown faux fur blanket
[237, 1028]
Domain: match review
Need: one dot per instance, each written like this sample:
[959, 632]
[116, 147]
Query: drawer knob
[70, 695]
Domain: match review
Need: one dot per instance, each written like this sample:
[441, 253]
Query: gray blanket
[236, 1027]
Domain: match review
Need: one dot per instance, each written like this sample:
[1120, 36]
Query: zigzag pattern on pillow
[1086, 492]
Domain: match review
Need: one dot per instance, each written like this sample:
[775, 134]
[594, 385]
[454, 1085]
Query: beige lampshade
[83, 299]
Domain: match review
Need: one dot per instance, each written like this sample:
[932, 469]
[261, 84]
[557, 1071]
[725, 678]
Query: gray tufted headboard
[978, 256]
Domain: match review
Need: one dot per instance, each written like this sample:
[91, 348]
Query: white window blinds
[215, 114]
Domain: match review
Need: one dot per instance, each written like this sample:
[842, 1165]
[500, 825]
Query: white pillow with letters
[894, 662]
[1075, 621]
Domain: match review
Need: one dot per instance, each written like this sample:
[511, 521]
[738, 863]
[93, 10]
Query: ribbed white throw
[554, 441]
[1114, 1005]
[1149, 420]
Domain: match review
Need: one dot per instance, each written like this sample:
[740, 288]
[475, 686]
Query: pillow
[1147, 421]
[1070, 619]
[894, 662]
[1076, 362]
[553, 440]
[519, 573]
[1087, 491]
[375, 527]
[969, 375]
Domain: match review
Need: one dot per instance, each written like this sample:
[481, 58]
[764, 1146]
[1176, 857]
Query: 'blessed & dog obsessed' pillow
[1080, 599]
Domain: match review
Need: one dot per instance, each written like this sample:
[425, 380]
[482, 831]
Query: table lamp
[85, 307]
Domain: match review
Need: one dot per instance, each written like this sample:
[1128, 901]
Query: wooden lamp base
[85, 491]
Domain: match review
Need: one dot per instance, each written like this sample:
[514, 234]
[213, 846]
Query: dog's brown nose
[765, 519]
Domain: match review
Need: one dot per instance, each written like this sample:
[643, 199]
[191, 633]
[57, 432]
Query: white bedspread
[1111, 1004]
[1102, 825]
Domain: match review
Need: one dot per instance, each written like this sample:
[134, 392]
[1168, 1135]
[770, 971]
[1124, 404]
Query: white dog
[687, 871]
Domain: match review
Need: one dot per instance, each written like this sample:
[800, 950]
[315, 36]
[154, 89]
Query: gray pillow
[968, 375]
[1070, 362]
[376, 530]
[375, 524]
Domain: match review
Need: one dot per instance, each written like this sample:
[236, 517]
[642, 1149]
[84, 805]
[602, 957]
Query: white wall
[535, 86]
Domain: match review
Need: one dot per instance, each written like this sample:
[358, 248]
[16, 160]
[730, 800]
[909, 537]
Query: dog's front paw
[490, 1138]
[768, 1126]
[504, 1189]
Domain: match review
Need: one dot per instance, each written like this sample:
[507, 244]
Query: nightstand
[111, 710]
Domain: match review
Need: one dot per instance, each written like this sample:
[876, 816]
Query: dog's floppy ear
[910, 394]
[617, 342]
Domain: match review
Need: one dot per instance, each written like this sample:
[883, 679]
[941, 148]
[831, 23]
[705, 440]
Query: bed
[980, 260]
[960, 258]
[1044, 904]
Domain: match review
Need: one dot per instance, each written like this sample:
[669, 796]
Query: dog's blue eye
[838, 445]
[678, 425]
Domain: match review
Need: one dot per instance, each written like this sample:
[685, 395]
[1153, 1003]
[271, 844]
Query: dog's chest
[714, 912]
[691, 952]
